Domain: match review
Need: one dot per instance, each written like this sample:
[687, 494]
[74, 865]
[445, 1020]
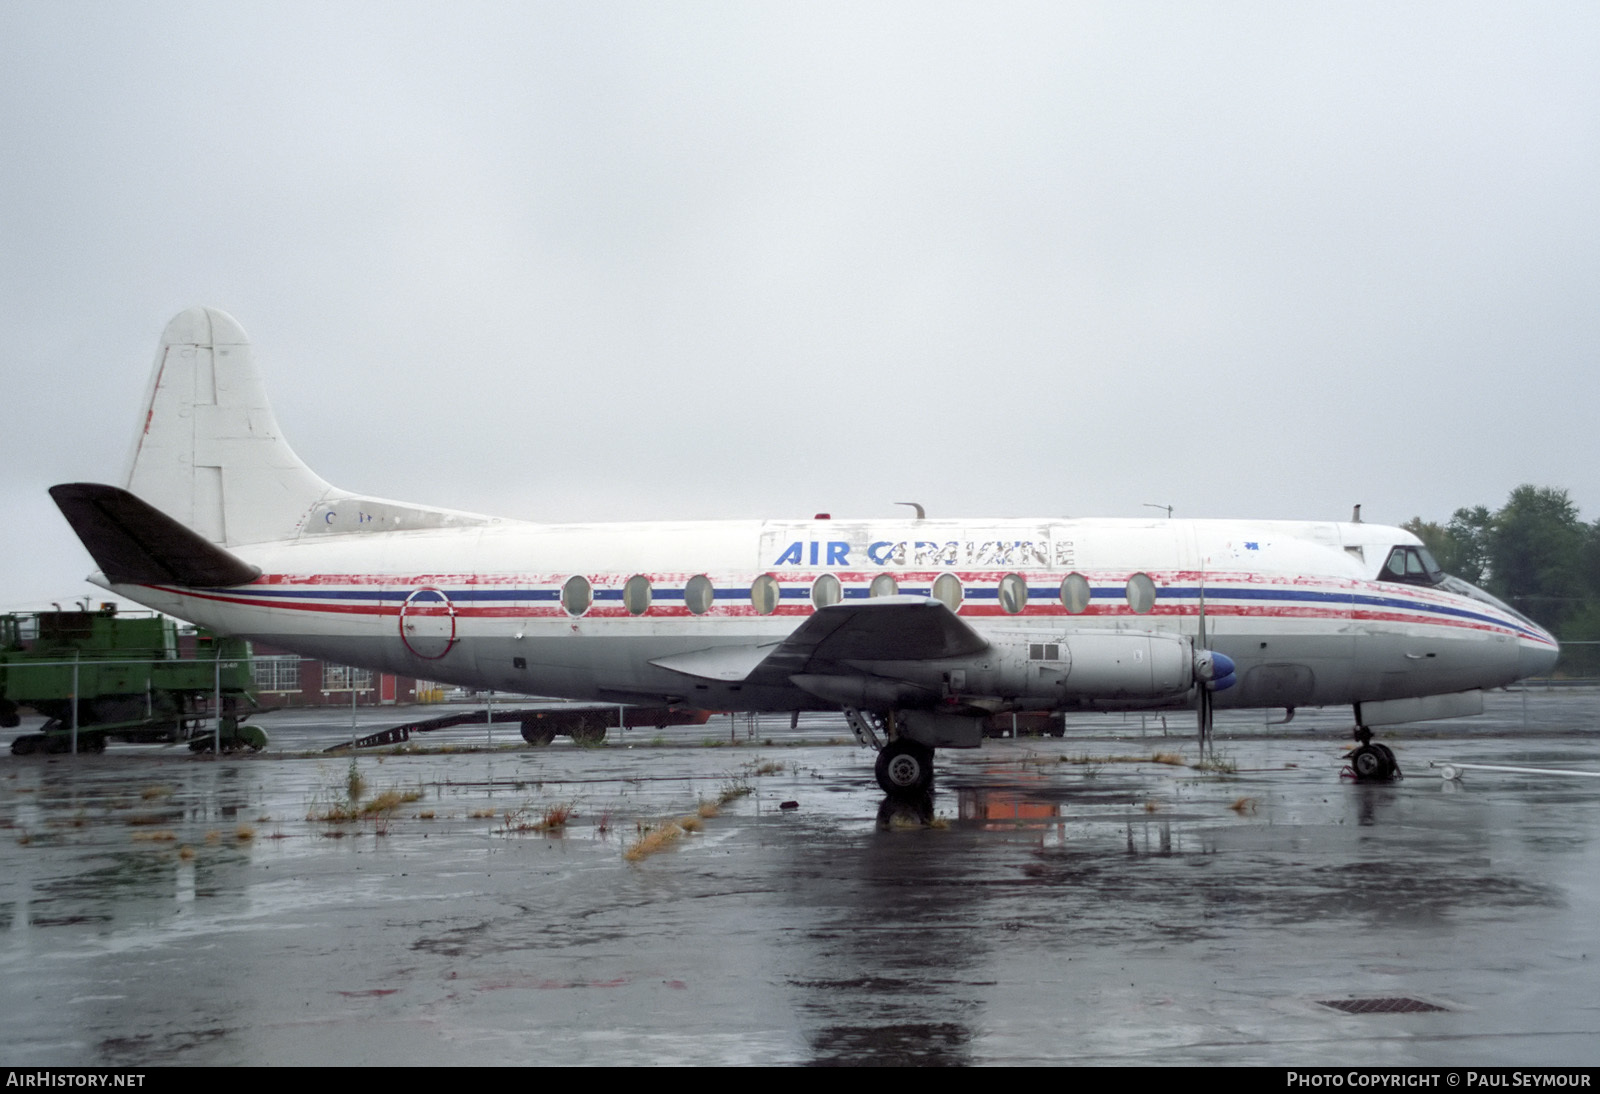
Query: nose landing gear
[1372, 763]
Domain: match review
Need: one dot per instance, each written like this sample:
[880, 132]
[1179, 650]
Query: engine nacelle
[1038, 670]
[1130, 666]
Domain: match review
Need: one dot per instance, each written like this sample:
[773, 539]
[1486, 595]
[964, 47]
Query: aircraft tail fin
[209, 452]
[210, 455]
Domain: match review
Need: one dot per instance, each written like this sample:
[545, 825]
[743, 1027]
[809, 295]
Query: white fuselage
[1297, 606]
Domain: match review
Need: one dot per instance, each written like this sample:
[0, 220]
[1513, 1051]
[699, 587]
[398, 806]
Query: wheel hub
[904, 770]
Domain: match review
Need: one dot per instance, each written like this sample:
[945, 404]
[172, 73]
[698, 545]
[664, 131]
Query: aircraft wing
[887, 628]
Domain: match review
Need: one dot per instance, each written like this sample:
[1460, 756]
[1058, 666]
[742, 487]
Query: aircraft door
[428, 623]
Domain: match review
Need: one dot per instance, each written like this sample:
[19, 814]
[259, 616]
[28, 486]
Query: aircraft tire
[537, 732]
[1373, 763]
[904, 768]
[1394, 764]
[588, 731]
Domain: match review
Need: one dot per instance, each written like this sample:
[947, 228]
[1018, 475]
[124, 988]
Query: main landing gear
[904, 767]
[1372, 763]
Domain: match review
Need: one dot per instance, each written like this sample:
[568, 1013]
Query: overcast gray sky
[634, 261]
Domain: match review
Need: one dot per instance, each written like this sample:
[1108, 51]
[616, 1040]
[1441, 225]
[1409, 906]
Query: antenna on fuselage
[1355, 514]
[1153, 505]
[917, 505]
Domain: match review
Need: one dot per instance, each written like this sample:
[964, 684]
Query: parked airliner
[918, 629]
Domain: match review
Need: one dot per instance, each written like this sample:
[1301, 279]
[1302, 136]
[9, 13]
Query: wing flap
[725, 664]
[886, 628]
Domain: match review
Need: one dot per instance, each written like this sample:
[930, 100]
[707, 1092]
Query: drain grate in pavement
[1386, 1004]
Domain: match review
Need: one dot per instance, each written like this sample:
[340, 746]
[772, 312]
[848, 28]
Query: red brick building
[284, 679]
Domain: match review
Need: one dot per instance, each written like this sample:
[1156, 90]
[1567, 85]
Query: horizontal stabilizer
[135, 543]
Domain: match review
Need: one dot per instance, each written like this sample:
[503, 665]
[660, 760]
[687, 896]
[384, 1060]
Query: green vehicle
[101, 675]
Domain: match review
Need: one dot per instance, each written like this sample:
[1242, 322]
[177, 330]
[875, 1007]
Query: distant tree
[1536, 554]
[1470, 532]
[1582, 626]
[1590, 561]
[1430, 532]
[1462, 546]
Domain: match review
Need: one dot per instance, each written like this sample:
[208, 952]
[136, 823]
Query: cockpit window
[1465, 588]
[1412, 565]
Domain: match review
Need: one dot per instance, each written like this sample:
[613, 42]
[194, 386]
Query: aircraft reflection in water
[918, 629]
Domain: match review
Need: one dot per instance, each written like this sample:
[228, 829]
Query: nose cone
[1214, 670]
[1537, 657]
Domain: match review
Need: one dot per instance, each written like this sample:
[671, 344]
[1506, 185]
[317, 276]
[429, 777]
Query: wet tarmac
[1074, 901]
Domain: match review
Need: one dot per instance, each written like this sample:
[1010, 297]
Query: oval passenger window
[577, 594]
[764, 594]
[1075, 593]
[826, 590]
[1141, 594]
[1013, 593]
[636, 595]
[698, 595]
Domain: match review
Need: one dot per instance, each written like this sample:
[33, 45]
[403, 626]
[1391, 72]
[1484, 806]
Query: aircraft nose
[1536, 658]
